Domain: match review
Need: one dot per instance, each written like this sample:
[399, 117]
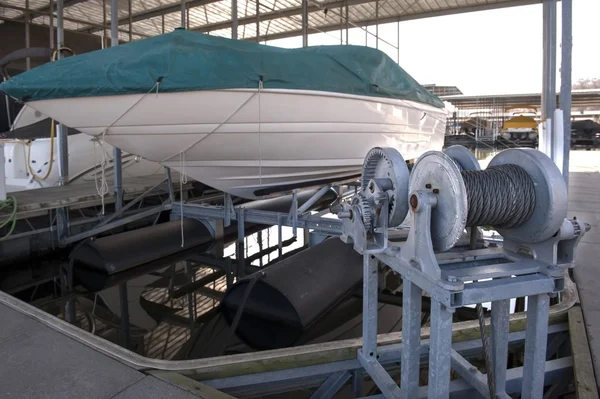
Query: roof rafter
[157, 12]
[359, 24]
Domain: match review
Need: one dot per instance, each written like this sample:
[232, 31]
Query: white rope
[103, 188]
[215, 129]
[260, 87]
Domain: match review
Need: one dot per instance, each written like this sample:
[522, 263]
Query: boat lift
[441, 192]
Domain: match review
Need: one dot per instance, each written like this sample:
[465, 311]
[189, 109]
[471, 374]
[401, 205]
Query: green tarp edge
[187, 61]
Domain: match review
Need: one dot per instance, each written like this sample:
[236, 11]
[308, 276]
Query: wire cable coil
[502, 196]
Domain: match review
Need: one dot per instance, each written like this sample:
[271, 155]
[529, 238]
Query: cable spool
[522, 194]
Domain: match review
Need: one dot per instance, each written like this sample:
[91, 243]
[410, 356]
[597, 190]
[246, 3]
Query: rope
[12, 218]
[502, 196]
[52, 134]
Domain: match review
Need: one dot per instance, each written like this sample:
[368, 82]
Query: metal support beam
[347, 23]
[377, 24]
[535, 346]
[304, 23]
[182, 11]
[549, 71]
[411, 337]
[500, 324]
[234, 19]
[27, 33]
[117, 164]
[51, 24]
[63, 143]
[129, 13]
[440, 344]
[258, 21]
[565, 80]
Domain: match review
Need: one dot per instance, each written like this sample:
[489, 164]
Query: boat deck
[40, 362]
[584, 202]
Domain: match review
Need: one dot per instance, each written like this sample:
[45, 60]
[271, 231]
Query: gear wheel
[364, 208]
[387, 163]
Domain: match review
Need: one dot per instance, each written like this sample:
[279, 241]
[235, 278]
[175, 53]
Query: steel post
[182, 10]
[304, 23]
[63, 144]
[411, 339]
[565, 80]
[536, 338]
[234, 19]
[369, 337]
[376, 24]
[117, 164]
[549, 69]
[440, 345]
[499, 337]
[51, 23]
[347, 25]
[258, 21]
[241, 272]
[27, 33]
[129, 13]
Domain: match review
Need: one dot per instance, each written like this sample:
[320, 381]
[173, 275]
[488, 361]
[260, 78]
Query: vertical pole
[187, 16]
[114, 41]
[124, 303]
[411, 339]
[51, 23]
[27, 34]
[234, 19]
[369, 345]
[130, 19]
[565, 80]
[536, 337]
[304, 23]
[341, 25]
[549, 66]
[440, 345]
[240, 243]
[398, 46]
[183, 14]
[257, 21]
[2, 174]
[499, 337]
[347, 25]
[63, 144]
[162, 22]
[104, 24]
[377, 24]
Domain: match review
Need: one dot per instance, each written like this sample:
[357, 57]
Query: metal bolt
[428, 186]
[372, 187]
[345, 214]
[436, 190]
[414, 201]
[452, 279]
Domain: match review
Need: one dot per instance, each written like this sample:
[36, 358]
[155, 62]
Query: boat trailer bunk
[445, 198]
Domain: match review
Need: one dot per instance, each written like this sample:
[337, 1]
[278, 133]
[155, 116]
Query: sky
[485, 52]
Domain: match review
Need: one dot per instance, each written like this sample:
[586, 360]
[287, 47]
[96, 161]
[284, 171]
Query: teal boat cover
[188, 61]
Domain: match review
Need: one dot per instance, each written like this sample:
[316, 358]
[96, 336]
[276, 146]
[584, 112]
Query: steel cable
[502, 196]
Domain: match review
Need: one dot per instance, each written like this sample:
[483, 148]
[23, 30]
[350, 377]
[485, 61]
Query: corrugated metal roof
[278, 18]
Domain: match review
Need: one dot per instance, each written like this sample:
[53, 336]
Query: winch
[445, 196]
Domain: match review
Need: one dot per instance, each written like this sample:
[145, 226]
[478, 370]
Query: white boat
[247, 141]
[27, 162]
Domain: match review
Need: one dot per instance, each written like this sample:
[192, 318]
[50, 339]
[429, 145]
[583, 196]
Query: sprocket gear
[388, 163]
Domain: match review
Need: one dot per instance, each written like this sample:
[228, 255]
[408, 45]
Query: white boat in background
[243, 118]
[26, 162]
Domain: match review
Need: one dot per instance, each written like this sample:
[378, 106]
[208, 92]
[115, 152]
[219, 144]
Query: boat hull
[247, 142]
